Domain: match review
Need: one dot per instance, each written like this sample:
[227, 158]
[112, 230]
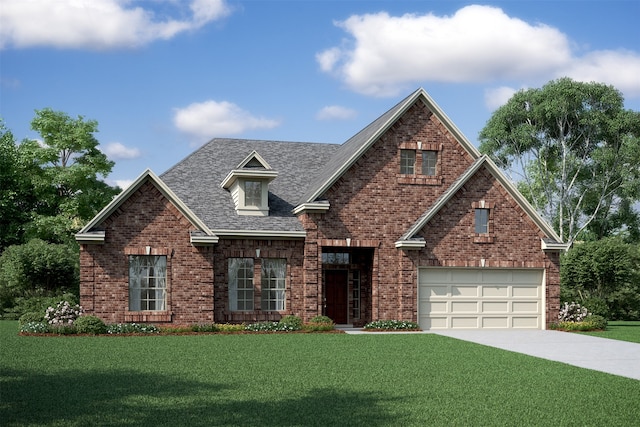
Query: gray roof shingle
[196, 181]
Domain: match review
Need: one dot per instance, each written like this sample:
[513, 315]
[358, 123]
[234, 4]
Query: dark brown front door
[336, 294]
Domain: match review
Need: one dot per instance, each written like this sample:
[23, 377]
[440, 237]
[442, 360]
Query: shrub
[90, 325]
[291, 322]
[31, 316]
[317, 327]
[205, 327]
[392, 325]
[34, 328]
[231, 327]
[321, 319]
[63, 314]
[132, 328]
[596, 322]
[262, 327]
[573, 312]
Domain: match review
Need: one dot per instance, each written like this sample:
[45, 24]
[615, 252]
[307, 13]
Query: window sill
[484, 238]
[148, 316]
[419, 179]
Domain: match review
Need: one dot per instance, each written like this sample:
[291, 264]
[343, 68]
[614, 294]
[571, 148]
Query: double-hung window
[147, 282]
[429, 162]
[241, 284]
[482, 221]
[407, 162]
[274, 273]
[253, 194]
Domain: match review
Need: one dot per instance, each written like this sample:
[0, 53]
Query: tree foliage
[604, 276]
[575, 153]
[37, 268]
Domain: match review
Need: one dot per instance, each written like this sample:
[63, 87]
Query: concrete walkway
[600, 354]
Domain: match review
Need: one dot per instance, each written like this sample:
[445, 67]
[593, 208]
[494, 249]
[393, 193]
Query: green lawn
[296, 379]
[619, 330]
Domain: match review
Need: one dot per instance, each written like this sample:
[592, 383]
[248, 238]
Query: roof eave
[260, 234]
[313, 207]
[411, 244]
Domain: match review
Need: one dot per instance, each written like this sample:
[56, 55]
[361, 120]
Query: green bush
[321, 319]
[90, 325]
[317, 327]
[34, 328]
[291, 321]
[205, 327]
[37, 304]
[392, 325]
[231, 327]
[132, 328]
[597, 322]
[31, 316]
[606, 271]
[36, 268]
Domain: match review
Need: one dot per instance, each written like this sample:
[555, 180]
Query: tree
[67, 167]
[17, 198]
[575, 154]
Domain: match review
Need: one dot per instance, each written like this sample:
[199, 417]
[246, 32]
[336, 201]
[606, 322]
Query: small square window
[482, 221]
[429, 162]
[407, 162]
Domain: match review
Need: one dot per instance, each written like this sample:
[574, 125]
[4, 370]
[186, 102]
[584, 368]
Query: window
[482, 221]
[407, 162]
[429, 162]
[241, 284]
[335, 258]
[253, 193]
[147, 282]
[274, 273]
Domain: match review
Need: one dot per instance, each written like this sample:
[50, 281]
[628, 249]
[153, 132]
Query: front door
[336, 294]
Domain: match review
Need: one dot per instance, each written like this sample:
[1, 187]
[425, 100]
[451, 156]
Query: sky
[163, 77]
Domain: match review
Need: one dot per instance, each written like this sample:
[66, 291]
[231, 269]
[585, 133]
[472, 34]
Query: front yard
[619, 330]
[296, 379]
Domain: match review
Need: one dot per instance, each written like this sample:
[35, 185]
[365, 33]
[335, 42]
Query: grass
[296, 380]
[619, 330]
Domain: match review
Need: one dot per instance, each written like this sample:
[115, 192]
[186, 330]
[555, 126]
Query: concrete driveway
[600, 354]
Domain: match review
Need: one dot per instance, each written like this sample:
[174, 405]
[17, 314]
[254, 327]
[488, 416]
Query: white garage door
[467, 298]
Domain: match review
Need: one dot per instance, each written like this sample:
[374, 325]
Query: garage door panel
[495, 306]
[464, 306]
[525, 307]
[495, 291]
[464, 291]
[480, 298]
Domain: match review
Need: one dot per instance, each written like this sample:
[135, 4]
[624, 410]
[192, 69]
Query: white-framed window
[429, 162]
[253, 194]
[241, 284]
[407, 162]
[147, 282]
[274, 273]
[481, 221]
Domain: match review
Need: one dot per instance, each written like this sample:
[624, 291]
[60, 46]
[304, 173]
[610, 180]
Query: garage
[479, 298]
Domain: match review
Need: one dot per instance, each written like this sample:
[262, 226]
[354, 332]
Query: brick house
[405, 220]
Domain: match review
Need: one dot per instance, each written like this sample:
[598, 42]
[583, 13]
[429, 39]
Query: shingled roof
[196, 181]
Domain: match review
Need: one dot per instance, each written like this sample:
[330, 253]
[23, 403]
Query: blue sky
[164, 77]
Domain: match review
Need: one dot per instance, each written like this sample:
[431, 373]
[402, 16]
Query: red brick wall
[372, 201]
[147, 218]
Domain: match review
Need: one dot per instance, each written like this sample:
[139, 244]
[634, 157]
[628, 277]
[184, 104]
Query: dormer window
[249, 185]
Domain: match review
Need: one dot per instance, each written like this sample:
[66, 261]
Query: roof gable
[88, 233]
[357, 145]
[408, 239]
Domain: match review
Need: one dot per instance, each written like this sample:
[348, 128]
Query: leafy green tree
[67, 170]
[17, 196]
[575, 153]
[603, 276]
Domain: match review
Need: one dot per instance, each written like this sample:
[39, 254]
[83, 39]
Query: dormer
[248, 184]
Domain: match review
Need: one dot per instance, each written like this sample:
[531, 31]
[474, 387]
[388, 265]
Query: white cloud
[123, 183]
[496, 97]
[335, 112]
[384, 54]
[212, 119]
[117, 151]
[95, 24]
